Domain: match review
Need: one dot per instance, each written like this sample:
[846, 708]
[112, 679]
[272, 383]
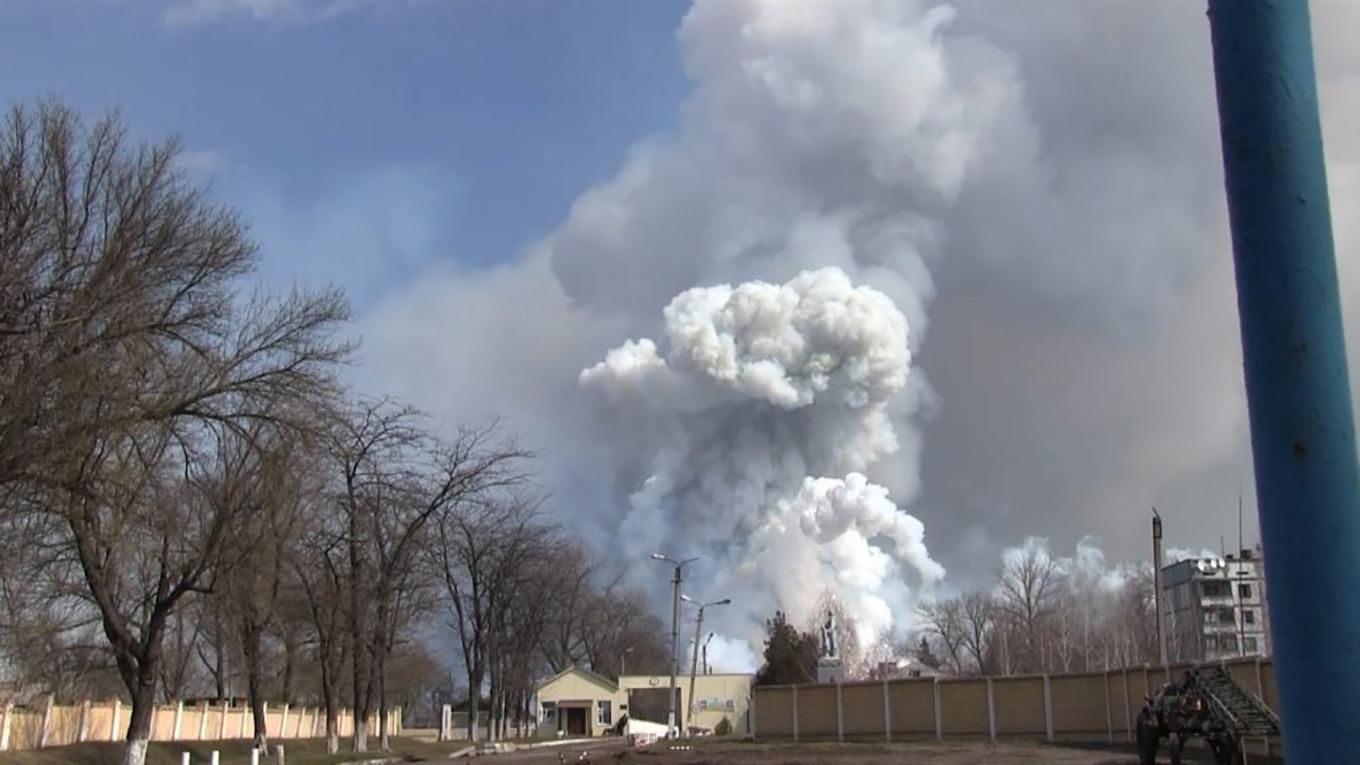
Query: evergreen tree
[925, 656]
[790, 656]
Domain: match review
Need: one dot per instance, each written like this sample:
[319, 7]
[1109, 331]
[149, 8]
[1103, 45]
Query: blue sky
[1065, 203]
[362, 143]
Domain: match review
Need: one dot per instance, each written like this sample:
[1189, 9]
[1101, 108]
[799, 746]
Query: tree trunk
[143, 695]
[384, 735]
[289, 669]
[251, 653]
[475, 678]
[332, 723]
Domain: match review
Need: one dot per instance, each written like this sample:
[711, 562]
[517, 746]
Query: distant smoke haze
[905, 284]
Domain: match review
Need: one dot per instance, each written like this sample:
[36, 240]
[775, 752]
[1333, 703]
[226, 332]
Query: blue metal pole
[1298, 395]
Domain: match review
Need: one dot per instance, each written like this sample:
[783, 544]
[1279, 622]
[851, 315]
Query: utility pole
[698, 630]
[1157, 590]
[707, 640]
[1294, 357]
[623, 661]
[675, 635]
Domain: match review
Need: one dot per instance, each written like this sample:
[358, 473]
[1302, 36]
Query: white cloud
[186, 13]
[1047, 216]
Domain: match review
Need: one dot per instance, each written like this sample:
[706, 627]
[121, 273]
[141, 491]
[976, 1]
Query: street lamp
[623, 660]
[707, 640]
[675, 632]
[699, 630]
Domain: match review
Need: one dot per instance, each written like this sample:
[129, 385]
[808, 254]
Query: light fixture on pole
[623, 660]
[698, 630]
[1157, 591]
[675, 634]
[707, 640]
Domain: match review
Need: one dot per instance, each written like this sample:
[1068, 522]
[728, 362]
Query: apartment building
[1216, 608]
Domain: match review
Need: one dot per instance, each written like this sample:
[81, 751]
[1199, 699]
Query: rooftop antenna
[1240, 544]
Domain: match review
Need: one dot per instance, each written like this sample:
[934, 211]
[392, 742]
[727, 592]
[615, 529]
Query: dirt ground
[737, 753]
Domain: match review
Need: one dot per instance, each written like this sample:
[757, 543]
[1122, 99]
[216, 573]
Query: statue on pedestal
[829, 649]
[830, 668]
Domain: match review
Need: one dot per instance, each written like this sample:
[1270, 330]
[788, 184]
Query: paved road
[597, 751]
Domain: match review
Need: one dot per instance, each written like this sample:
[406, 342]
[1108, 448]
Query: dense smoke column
[763, 407]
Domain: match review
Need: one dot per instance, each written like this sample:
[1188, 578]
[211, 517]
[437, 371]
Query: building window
[549, 711]
[1249, 644]
[1244, 591]
[603, 712]
[1216, 589]
[1248, 616]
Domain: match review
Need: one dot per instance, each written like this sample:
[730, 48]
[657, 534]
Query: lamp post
[675, 633]
[698, 630]
[707, 640]
[623, 660]
[1157, 591]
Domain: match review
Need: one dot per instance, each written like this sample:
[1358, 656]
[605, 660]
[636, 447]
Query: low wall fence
[1091, 706]
[58, 725]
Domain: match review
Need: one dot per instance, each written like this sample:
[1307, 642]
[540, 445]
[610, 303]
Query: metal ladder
[1242, 710]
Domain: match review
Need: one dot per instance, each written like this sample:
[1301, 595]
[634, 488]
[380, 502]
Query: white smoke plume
[1086, 570]
[875, 137]
[766, 406]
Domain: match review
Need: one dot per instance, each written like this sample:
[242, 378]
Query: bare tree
[127, 360]
[1027, 591]
[477, 551]
[320, 572]
[978, 616]
[395, 478]
[260, 545]
[565, 635]
[943, 619]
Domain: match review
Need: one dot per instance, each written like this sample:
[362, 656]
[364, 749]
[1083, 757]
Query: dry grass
[732, 752]
[297, 751]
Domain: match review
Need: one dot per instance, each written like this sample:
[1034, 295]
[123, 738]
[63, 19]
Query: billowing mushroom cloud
[752, 432]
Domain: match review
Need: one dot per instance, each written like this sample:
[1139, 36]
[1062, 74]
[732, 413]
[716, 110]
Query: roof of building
[593, 677]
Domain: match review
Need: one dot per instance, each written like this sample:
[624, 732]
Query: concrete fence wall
[56, 725]
[1093, 706]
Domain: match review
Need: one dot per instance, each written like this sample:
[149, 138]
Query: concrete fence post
[46, 723]
[83, 727]
[222, 723]
[1128, 715]
[840, 713]
[5, 726]
[279, 754]
[795, 714]
[1261, 694]
[203, 708]
[215, 758]
[1048, 708]
[887, 712]
[183, 758]
[991, 711]
[283, 723]
[113, 724]
[1109, 714]
[241, 726]
[254, 756]
[179, 717]
[939, 713]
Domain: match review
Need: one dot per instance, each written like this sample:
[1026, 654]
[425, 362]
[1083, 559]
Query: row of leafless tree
[188, 492]
[1042, 617]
